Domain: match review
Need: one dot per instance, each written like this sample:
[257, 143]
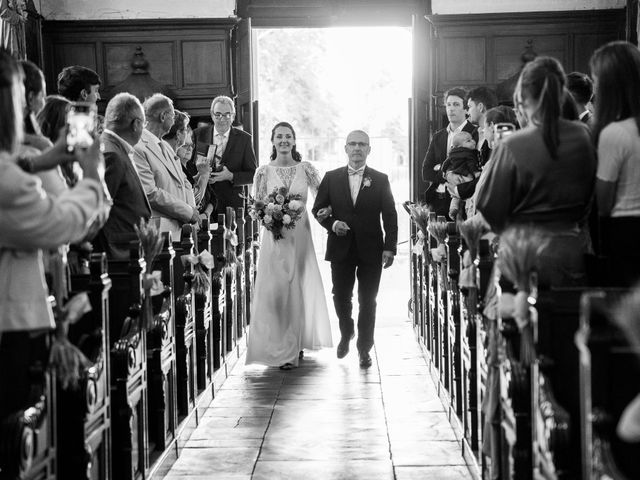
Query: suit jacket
[437, 153]
[238, 157]
[129, 199]
[169, 192]
[363, 218]
[31, 220]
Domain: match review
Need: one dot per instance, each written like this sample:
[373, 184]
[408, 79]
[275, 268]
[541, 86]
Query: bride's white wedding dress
[288, 312]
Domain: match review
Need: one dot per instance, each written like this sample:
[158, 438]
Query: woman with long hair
[289, 311]
[543, 175]
[615, 68]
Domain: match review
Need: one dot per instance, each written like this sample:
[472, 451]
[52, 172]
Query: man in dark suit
[356, 247]
[124, 122]
[581, 88]
[230, 153]
[436, 194]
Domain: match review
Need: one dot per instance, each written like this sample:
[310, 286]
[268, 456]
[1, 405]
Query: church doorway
[327, 82]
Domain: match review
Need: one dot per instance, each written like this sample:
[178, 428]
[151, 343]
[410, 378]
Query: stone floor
[329, 419]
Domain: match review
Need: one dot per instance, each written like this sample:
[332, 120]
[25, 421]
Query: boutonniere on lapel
[366, 182]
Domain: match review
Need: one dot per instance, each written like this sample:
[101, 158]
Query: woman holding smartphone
[543, 175]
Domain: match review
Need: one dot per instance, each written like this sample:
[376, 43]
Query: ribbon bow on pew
[201, 277]
[153, 282]
[418, 247]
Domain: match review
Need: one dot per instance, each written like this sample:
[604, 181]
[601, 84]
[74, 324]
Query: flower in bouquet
[277, 211]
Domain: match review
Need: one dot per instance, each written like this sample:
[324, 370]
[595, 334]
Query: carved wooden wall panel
[191, 57]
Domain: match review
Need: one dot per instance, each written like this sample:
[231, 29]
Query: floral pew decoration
[231, 242]
[471, 231]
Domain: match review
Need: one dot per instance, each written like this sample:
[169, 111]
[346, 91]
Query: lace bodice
[297, 178]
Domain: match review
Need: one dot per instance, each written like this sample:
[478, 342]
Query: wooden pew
[457, 389]
[218, 294]
[161, 353]
[231, 308]
[609, 372]
[127, 332]
[83, 414]
[241, 282]
[252, 233]
[204, 317]
[27, 407]
[185, 324]
[434, 324]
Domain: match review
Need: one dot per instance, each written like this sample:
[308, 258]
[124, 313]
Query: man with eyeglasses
[124, 123]
[359, 197]
[230, 153]
[169, 192]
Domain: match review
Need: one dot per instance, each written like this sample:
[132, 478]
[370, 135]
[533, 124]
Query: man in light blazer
[231, 152]
[124, 123]
[169, 192]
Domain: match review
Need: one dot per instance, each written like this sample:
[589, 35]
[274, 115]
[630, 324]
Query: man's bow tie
[353, 171]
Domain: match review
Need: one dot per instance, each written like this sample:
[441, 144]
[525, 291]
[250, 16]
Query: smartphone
[212, 156]
[503, 130]
[81, 124]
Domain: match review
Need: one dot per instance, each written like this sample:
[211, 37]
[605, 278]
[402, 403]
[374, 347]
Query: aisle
[329, 419]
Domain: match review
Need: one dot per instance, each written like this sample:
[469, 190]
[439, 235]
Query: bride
[288, 311]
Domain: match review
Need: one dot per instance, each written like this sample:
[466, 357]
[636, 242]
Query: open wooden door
[244, 82]
[421, 116]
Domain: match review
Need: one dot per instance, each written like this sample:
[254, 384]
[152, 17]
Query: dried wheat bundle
[438, 230]
[518, 255]
[150, 242]
[471, 231]
[420, 215]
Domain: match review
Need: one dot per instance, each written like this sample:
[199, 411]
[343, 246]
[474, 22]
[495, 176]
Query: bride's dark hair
[294, 153]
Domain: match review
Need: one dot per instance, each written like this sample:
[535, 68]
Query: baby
[461, 170]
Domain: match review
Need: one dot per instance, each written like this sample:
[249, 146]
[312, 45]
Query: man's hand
[387, 258]
[202, 164]
[324, 213]
[221, 176]
[341, 228]
[195, 218]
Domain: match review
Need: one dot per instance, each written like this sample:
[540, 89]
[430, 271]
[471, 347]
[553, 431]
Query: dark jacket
[462, 161]
[238, 157]
[437, 153]
[129, 200]
[373, 201]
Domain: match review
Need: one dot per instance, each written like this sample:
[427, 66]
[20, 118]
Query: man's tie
[353, 171]
[222, 144]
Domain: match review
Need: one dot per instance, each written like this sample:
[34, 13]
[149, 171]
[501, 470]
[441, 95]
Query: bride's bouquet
[279, 210]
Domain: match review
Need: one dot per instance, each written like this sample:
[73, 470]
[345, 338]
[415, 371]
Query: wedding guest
[235, 162]
[436, 193]
[79, 84]
[124, 123]
[581, 88]
[615, 68]
[479, 101]
[543, 175]
[169, 192]
[198, 172]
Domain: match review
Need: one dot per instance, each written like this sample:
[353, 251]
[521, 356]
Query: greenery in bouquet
[279, 210]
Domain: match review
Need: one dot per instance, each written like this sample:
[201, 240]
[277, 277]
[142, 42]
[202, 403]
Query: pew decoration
[518, 255]
[627, 315]
[420, 215]
[151, 245]
[438, 230]
[202, 264]
[231, 240]
[67, 359]
[471, 232]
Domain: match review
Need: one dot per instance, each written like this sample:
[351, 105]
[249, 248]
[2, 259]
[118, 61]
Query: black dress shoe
[365, 360]
[343, 346]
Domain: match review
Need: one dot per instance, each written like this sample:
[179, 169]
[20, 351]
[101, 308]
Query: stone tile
[433, 473]
[428, 453]
[215, 462]
[224, 441]
[241, 427]
[238, 411]
[326, 447]
[330, 470]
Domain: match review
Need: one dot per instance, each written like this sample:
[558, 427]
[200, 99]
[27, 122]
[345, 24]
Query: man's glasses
[218, 115]
[358, 144]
